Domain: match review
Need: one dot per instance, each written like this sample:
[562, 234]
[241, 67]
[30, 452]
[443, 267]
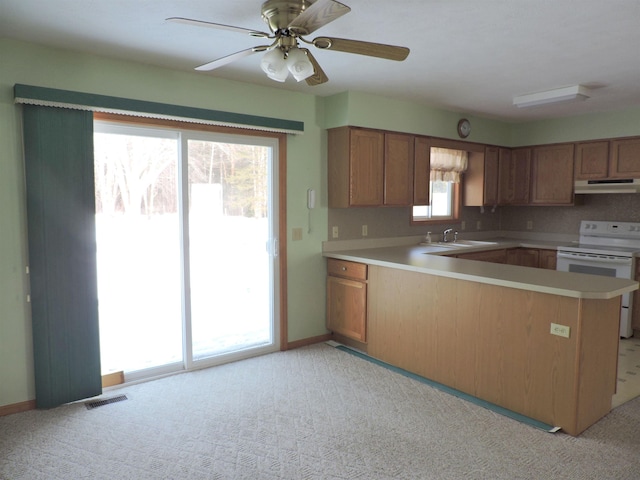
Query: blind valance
[447, 164]
[52, 97]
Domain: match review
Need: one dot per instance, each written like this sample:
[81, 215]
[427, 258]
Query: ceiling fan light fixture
[557, 95]
[299, 65]
[275, 65]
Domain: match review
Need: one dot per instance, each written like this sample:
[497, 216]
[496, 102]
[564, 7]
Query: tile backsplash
[395, 222]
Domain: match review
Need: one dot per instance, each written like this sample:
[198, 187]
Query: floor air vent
[105, 401]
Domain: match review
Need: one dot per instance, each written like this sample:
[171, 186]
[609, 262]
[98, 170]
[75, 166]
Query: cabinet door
[521, 158]
[635, 316]
[505, 177]
[625, 158]
[592, 160]
[552, 175]
[398, 169]
[421, 170]
[514, 174]
[524, 257]
[491, 176]
[366, 148]
[494, 256]
[480, 182]
[547, 259]
[347, 307]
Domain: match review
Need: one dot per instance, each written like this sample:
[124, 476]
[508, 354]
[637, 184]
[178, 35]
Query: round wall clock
[464, 128]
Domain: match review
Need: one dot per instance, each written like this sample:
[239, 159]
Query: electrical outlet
[365, 230]
[560, 330]
[334, 232]
[463, 225]
[478, 225]
[296, 234]
[529, 225]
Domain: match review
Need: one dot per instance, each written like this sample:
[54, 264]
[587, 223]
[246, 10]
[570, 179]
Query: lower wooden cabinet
[547, 259]
[532, 257]
[495, 256]
[347, 299]
[525, 257]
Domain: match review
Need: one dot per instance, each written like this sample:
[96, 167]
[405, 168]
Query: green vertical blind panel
[58, 145]
[30, 94]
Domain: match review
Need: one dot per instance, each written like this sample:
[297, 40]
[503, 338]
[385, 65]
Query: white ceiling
[470, 56]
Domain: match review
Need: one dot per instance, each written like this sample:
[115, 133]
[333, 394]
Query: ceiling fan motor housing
[278, 14]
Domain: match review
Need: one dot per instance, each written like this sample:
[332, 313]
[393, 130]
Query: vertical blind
[58, 148]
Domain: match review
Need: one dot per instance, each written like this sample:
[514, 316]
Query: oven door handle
[596, 259]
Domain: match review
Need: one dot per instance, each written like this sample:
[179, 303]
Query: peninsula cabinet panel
[625, 158]
[421, 170]
[552, 175]
[356, 167]
[494, 343]
[398, 169]
[592, 160]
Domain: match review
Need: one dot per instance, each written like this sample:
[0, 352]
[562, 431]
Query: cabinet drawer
[343, 268]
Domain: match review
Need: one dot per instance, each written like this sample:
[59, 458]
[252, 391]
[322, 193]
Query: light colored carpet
[310, 413]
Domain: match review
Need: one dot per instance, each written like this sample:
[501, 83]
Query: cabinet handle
[344, 269]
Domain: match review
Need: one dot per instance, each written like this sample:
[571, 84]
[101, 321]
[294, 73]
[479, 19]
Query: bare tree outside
[139, 248]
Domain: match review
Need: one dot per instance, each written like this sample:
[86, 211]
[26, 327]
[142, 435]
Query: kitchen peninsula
[538, 342]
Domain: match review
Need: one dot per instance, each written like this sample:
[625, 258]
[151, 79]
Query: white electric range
[608, 249]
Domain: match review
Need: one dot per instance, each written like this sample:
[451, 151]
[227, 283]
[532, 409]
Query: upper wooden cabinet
[552, 175]
[592, 160]
[356, 166]
[480, 183]
[421, 170]
[608, 159]
[514, 175]
[625, 158]
[398, 169]
[369, 168]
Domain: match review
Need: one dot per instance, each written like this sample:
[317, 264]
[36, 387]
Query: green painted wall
[36, 65]
[365, 110]
[306, 157]
[622, 123]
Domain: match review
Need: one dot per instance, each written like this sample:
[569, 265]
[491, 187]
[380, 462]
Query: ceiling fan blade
[200, 23]
[318, 76]
[390, 52]
[317, 15]
[231, 58]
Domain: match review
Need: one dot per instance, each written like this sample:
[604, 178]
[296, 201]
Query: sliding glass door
[229, 248]
[186, 247]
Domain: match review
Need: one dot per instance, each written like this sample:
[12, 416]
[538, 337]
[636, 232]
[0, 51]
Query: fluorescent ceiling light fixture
[565, 94]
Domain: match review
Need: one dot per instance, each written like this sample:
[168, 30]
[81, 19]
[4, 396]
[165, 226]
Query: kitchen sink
[465, 243]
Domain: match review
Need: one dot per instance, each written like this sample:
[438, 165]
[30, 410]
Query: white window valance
[447, 164]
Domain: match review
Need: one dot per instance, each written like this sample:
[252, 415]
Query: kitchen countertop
[430, 259]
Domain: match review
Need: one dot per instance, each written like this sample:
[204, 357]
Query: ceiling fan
[290, 21]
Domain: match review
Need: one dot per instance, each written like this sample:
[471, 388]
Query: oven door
[603, 265]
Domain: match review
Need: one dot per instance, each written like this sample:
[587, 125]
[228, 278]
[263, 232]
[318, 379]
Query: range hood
[625, 185]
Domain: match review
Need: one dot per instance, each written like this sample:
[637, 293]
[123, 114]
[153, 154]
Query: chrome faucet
[445, 233]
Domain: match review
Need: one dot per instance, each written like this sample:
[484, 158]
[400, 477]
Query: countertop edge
[575, 285]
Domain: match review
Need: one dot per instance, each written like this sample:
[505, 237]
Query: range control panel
[610, 229]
